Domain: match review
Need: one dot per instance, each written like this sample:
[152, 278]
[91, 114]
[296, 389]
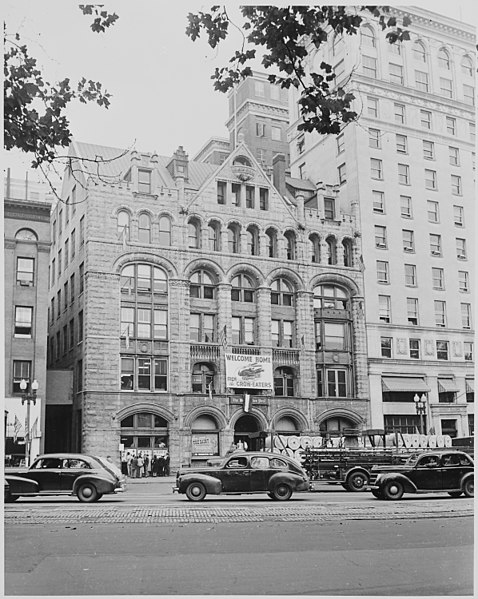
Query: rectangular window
[376, 168]
[127, 322]
[460, 249]
[466, 316]
[438, 278]
[21, 371]
[263, 198]
[410, 275]
[160, 374]
[428, 150]
[458, 216]
[433, 211]
[336, 383]
[127, 374]
[144, 181]
[440, 313]
[396, 73]
[430, 179]
[66, 296]
[144, 373]
[65, 339]
[372, 107]
[276, 133]
[339, 69]
[412, 310]
[60, 222]
[340, 143]
[468, 350]
[408, 239]
[249, 331]
[378, 201]
[73, 200]
[406, 206]
[384, 308]
[442, 350]
[399, 113]
[414, 348]
[259, 89]
[450, 125]
[260, 129]
[59, 262]
[221, 192]
[469, 94]
[380, 237]
[160, 325]
[250, 191]
[456, 188]
[25, 271]
[66, 252]
[463, 281]
[329, 208]
[342, 172]
[446, 87]
[58, 303]
[369, 65]
[374, 138]
[472, 131]
[23, 322]
[386, 347]
[72, 288]
[80, 326]
[275, 333]
[402, 144]
[82, 277]
[334, 336]
[421, 81]
[382, 272]
[454, 154]
[236, 195]
[435, 244]
[242, 330]
[404, 174]
[426, 119]
[144, 323]
[52, 310]
[71, 333]
[82, 231]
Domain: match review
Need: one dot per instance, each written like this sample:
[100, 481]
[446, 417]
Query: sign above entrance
[249, 372]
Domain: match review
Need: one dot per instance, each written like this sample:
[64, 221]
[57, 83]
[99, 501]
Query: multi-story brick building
[409, 164]
[26, 246]
[162, 267]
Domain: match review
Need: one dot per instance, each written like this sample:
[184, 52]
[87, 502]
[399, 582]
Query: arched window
[444, 59]
[242, 289]
[291, 245]
[123, 225]
[282, 293]
[143, 278]
[204, 436]
[348, 252]
[26, 235]
[367, 36]
[214, 230]
[284, 382]
[330, 296]
[332, 243]
[144, 228]
[201, 285]
[194, 234]
[314, 248]
[252, 241]
[419, 52]
[271, 243]
[143, 433]
[467, 66]
[242, 160]
[164, 231]
[203, 378]
[286, 425]
[233, 238]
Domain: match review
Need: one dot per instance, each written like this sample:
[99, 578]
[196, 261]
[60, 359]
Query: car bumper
[175, 489]
[120, 489]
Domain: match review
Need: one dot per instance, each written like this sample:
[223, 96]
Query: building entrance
[247, 430]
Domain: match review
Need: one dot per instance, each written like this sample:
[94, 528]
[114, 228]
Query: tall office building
[408, 163]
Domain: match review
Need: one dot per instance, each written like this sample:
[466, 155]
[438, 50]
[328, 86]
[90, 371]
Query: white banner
[249, 372]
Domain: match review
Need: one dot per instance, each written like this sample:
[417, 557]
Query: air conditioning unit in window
[436, 253]
[461, 257]
[25, 283]
[407, 249]
[381, 245]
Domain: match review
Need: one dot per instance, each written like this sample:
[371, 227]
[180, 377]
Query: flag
[247, 402]
[209, 388]
[17, 426]
[361, 263]
[223, 337]
[127, 337]
[34, 430]
[123, 236]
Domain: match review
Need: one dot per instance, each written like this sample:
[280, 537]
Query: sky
[162, 94]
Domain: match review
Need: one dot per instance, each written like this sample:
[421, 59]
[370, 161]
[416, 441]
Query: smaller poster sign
[205, 444]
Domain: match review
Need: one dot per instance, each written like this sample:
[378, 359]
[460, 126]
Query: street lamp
[29, 398]
[421, 406]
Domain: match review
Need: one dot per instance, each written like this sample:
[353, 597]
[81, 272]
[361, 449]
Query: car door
[260, 473]
[72, 469]
[235, 475]
[453, 467]
[47, 473]
[427, 474]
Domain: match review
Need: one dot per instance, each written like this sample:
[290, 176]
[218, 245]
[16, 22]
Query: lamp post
[28, 398]
[421, 406]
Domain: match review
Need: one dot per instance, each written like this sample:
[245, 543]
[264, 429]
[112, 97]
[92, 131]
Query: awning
[470, 385]
[401, 383]
[447, 386]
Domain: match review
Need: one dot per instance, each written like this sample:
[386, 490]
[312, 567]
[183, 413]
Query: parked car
[244, 472]
[87, 477]
[442, 471]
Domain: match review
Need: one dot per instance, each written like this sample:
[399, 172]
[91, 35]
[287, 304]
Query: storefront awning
[470, 385]
[391, 384]
[447, 386]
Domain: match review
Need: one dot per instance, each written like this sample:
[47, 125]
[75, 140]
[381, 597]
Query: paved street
[149, 541]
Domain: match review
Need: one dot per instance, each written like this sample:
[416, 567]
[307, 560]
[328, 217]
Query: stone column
[306, 343]
[179, 355]
[324, 252]
[360, 348]
[223, 324]
[264, 312]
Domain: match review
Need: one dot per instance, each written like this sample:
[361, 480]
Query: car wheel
[282, 492]
[455, 493]
[393, 489]
[376, 493]
[196, 492]
[357, 481]
[469, 487]
[87, 493]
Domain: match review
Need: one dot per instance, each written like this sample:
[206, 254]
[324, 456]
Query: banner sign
[249, 372]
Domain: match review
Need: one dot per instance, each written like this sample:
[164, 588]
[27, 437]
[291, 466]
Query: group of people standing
[140, 466]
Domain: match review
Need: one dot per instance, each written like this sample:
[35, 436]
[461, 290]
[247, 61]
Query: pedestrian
[153, 466]
[140, 465]
[134, 467]
[166, 464]
[146, 465]
[124, 464]
[129, 459]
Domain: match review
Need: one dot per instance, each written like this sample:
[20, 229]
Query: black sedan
[244, 472]
[442, 471]
[87, 477]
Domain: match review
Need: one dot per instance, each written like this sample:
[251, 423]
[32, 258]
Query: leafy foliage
[34, 109]
[283, 34]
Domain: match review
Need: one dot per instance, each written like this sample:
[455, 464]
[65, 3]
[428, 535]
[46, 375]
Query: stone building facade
[162, 266]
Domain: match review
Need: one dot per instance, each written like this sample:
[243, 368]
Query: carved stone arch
[145, 407]
[205, 410]
[116, 211]
[236, 223]
[216, 219]
[247, 269]
[337, 279]
[195, 217]
[332, 236]
[252, 412]
[340, 413]
[289, 275]
[294, 413]
[150, 213]
[274, 228]
[204, 264]
[168, 214]
[153, 259]
[253, 224]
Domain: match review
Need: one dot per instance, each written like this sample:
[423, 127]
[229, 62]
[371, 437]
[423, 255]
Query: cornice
[433, 21]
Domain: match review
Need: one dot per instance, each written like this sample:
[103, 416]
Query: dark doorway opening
[247, 430]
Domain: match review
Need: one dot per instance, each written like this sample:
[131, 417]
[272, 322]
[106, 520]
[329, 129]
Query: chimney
[278, 173]
[178, 166]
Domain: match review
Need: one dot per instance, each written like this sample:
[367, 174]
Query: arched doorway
[340, 428]
[248, 431]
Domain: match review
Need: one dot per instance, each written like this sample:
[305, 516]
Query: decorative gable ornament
[243, 169]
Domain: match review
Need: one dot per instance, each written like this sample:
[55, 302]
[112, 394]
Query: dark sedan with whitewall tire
[244, 473]
[88, 477]
[443, 471]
